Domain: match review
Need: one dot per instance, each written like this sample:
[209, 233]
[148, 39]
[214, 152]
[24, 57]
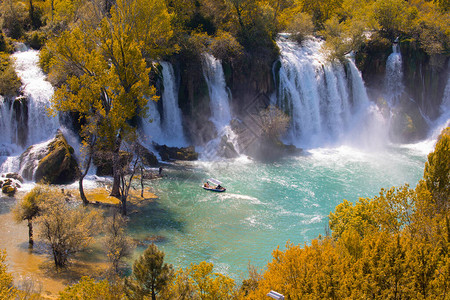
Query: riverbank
[35, 267]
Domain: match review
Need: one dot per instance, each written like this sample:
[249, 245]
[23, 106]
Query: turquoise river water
[266, 204]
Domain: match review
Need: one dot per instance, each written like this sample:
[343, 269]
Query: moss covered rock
[59, 165]
[148, 158]
[9, 190]
[175, 153]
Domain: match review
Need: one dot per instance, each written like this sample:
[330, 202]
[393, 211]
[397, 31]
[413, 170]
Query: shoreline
[35, 265]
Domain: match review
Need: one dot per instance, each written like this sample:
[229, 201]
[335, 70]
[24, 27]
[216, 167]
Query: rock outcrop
[59, 165]
[52, 162]
[174, 153]
[147, 157]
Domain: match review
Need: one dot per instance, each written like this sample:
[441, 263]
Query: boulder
[59, 165]
[226, 148]
[14, 176]
[175, 153]
[9, 190]
[148, 158]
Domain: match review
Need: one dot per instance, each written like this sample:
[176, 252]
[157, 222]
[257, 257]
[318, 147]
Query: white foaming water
[6, 127]
[172, 123]
[38, 91]
[41, 126]
[442, 122]
[167, 129]
[394, 76]
[325, 104]
[219, 97]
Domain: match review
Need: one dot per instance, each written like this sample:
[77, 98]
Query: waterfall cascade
[218, 94]
[25, 120]
[38, 92]
[393, 83]
[327, 102]
[226, 141]
[168, 128]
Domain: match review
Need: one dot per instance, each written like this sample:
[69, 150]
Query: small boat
[213, 185]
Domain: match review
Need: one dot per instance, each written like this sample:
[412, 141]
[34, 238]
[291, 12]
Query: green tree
[150, 275]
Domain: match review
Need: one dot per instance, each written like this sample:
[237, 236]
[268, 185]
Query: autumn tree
[109, 81]
[211, 285]
[67, 230]
[89, 289]
[150, 275]
[117, 243]
[29, 207]
[7, 289]
[436, 176]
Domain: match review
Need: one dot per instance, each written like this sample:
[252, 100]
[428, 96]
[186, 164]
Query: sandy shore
[36, 265]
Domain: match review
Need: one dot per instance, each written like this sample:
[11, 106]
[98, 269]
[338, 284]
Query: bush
[36, 39]
[9, 81]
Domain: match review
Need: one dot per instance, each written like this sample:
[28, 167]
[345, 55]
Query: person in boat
[219, 187]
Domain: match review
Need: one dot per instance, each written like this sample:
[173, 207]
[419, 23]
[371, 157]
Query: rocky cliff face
[424, 80]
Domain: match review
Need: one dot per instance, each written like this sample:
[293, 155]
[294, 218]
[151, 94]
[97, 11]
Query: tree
[150, 275]
[436, 176]
[211, 285]
[67, 230]
[7, 289]
[274, 123]
[88, 289]
[393, 16]
[118, 245]
[109, 81]
[29, 207]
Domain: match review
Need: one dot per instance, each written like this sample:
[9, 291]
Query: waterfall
[219, 97]
[444, 119]
[168, 128]
[24, 120]
[38, 92]
[393, 83]
[225, 145]
[327, 102]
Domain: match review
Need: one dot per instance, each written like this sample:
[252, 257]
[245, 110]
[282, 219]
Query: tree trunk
[142, 181]
[30, 234]
[82, 195]
[115, 191]
[124, 204]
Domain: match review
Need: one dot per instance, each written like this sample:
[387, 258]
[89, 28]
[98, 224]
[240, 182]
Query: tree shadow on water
[152, 218]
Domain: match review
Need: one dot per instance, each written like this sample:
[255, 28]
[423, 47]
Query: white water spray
[394, 76]
[220, 109]
[38, 91]
[167, 129]
[325, 103]
[219, 97]
[172, 122]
